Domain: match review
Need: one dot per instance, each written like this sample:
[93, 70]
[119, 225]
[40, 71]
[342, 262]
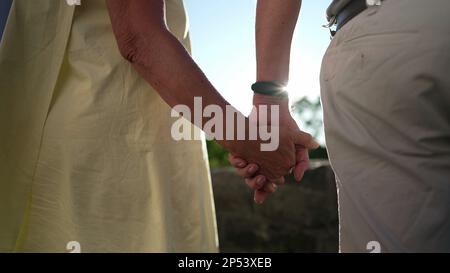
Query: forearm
[275, 24]
[178, 79]
[160, 58]
[170, 70]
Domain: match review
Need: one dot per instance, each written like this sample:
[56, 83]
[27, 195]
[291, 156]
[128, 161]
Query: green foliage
[319, 153]
[309, 113]
[218, 156]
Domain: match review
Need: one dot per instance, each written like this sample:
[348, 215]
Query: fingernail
[299, 176]
[260, 181]
[241, 164]
[316, 144]
[253, 168]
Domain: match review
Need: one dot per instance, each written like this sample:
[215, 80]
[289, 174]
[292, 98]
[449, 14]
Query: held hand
[257, 180]
[287, 123]
[259, 183]
[277, 163]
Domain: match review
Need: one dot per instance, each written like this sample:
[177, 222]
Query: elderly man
[87, 157]
[385, 90]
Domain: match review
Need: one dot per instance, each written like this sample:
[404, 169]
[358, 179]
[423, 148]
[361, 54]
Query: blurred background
[299, 217]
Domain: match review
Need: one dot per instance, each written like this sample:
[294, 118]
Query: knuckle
[249, 184]
[308, 137]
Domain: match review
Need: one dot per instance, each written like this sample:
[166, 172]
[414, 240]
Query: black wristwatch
[272, 88]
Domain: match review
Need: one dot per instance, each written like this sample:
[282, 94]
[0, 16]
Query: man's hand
[289, 154]
[286, 122]
[255, 179]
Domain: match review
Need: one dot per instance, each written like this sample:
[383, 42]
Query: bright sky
[222, 34]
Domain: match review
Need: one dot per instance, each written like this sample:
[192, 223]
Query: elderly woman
[87, 158]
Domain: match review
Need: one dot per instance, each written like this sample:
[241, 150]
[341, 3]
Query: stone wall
[297, 218]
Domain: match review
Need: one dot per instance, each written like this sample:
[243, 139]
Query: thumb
[305, 140]
[302, 163]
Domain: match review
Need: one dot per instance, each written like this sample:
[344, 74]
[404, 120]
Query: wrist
[282, 102]
[271, 88]
[235, 138]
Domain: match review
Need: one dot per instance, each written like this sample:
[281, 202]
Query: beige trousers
[385, 87]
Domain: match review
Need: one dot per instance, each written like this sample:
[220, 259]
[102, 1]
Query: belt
[349, 12]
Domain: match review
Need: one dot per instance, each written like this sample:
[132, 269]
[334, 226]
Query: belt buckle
[371, 3]
[73, 2]
[332, 21]
[329, 25]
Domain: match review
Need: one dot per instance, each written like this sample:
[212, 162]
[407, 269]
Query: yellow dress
[86, 153]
